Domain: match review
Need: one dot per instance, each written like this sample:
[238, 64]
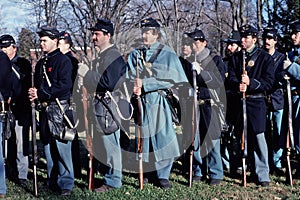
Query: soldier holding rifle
[52, 89]
[258, 79]
[291, 67]
[103, 77]
[19, 142]
[208, 73]
[5, 89]
[159, 69]
[275, 102]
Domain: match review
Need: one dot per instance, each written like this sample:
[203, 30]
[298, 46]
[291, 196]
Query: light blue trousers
[59, 164]
[107, 150]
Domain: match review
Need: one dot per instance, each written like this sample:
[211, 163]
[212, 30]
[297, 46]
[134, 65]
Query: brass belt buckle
[44, 104]
[201, 102]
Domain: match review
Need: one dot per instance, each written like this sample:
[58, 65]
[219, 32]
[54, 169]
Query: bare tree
[242, 15]
[176, 17]
[259, 21]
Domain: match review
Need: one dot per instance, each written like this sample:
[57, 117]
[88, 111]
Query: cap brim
[92, 29]
[5, 45]
[231, 41]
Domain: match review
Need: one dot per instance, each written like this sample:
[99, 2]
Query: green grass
[228, 189]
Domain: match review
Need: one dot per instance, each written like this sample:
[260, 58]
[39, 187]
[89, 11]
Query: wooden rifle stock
[244, 134]
[139, 133]
[290, 135]
[34, 144]
[89, 138]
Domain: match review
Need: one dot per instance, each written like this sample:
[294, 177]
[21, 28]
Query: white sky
[13, 17]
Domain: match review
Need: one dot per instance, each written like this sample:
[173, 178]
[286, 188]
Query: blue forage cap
[234, 37]
[248, 30]
[104, 25]
[270, 32]
[149, 23]
[49, 31]
[65, 36]
[186, 40]
[6, 40]
[197, 35]
[295, 26]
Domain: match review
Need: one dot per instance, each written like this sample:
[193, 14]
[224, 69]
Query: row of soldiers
[17, 78]
[150, 71]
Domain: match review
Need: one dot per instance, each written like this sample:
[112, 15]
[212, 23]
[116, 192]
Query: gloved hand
[196, 66]
[82, 69]
[286, 63]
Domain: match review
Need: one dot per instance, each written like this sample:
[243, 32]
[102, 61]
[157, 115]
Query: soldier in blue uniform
[258, 80]
[53, 81]
[275, 101]
[210, 78]
[159, 69]
[65, 44]
[292, 69]
[18, 149]
[106, 70]
[6, 82]
[229, 143]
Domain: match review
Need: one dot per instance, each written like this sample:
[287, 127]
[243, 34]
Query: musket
[139, 131]
[244, 134]
[34, 144]
[89, 138]
[194, 127]
[3, 121]
[290, 133]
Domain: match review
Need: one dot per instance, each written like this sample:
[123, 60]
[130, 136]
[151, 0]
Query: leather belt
[45, 104]
[259, 95]
[204, 101]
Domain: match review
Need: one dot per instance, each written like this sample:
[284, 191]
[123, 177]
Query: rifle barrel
[34, 144]
[138, 126]
[244, 134]
[290, 135]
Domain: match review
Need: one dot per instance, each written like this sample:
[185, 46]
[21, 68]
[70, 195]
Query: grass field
[228, 189]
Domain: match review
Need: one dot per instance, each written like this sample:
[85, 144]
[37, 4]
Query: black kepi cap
[270, 32]
[234, 37]
[295, 26]
[49, 31]
[196, 35]
[248, 30]
[65, 36]
[6, 40]
[149, 23]
[104, 25]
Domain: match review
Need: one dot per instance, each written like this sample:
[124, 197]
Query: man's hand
[243, 87]
[196, 66]
[286, 63]
[245, 79]
[82, 69]
[137, 89]
[32, 94]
